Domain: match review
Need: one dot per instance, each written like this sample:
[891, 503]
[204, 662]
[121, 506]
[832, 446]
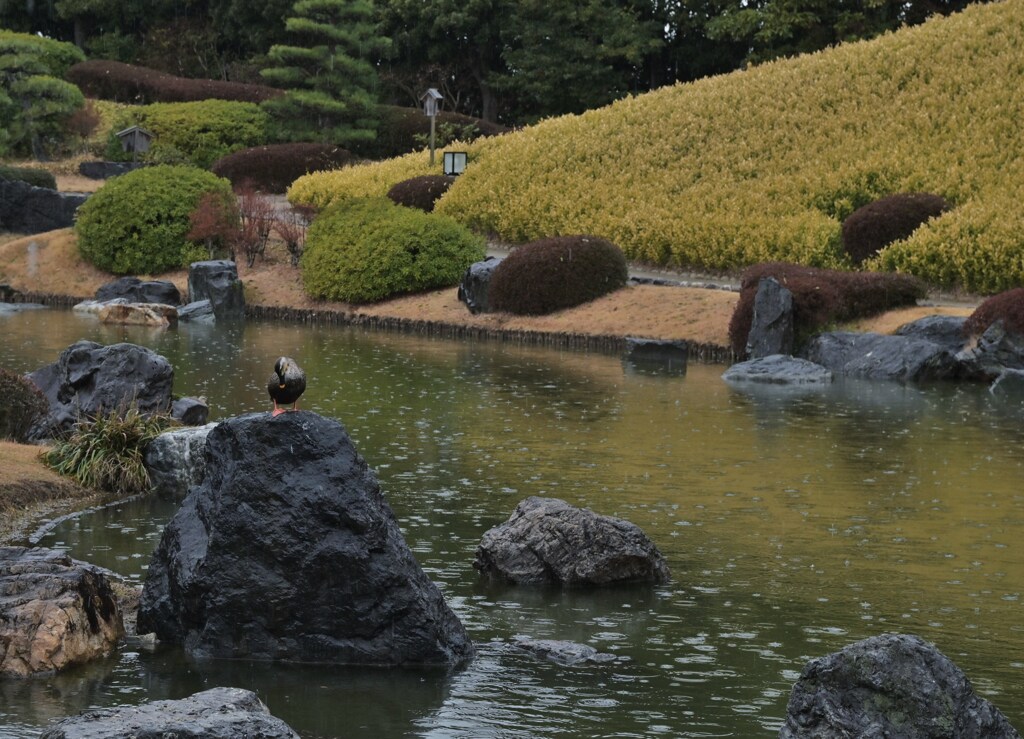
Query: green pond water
[794, 523]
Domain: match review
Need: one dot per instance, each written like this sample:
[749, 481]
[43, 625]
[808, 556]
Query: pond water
[794, 523]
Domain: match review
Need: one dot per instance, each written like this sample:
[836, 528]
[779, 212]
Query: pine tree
[329, 79]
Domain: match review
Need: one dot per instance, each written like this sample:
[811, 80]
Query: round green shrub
[272, 168]
[23, 405]
[364, 250]
[420, 192]
[1007, 307]
[556, 273]
[137, 223]
[873, 227]
[29, 175]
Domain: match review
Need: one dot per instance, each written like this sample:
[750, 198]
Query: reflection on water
[794, 524]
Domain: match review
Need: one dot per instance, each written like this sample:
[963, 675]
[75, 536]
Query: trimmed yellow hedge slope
[764, 164]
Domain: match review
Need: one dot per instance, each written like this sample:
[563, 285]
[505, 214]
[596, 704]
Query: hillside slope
[764, 164]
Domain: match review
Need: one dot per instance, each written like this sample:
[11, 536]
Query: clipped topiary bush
[1007, 307]
[873, 227]
[30, 175]
[821, 297]
[23, 405]
[420, 192]
[128, 83]
[556, 273]
[274, 167]
[197, 133]
[364, 250]
[137, 223]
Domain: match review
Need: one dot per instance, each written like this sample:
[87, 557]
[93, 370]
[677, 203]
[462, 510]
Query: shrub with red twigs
[291, 227]
[257, 220]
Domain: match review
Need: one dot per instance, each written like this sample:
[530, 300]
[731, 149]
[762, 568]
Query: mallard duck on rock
[286, 384]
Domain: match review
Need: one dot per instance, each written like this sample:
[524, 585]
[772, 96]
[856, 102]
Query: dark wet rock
[778, 369]
[134, 290]
[548, 541]
[106, 170]
[217, 281]
[881, 357]
[566, 653]
[771, 329]
[475, 283]
[289, 551]
[54, 612]
[25, 209]
[88, 379]
[1009, 381]
[893, 685]
[653, 355]
[218, 713]
[946, 331]
[995, 350]
[190, 411]
[176, 460]
[201, 311]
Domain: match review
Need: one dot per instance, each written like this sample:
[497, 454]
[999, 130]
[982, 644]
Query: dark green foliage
[556, 273]
[55, 56]
[406, 129]
[274, 167]
[30, 175]
[106, 453]
[364, 250]
[22, 406]
[127, 83]
[871, 228]
[1007, 307]
[822, 297]
[137, 223]
[420, 192]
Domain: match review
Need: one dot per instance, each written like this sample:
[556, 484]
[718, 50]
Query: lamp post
[430, 100]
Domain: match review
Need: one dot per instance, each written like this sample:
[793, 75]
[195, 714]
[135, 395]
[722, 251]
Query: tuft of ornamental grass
[106, 452]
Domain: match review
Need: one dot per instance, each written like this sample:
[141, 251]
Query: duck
[286, 384]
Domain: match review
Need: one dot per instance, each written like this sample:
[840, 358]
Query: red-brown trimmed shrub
[399, 128]
[23, 406]
[822, 296]
[128, 83]
[1007, 307]
[420, 192]
[873, 227]
[555, 273]
[274, 167]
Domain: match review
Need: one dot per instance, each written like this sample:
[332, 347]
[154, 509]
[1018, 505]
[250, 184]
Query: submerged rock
[218, 713]
[548, 541]
[289, 551]
[893, 685]
[778, 369]
[54, 612]
[654, 355]
[566, 653]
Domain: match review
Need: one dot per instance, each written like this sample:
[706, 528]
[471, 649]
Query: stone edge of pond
[609, 344]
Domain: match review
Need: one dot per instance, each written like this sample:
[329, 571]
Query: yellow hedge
[764, 164]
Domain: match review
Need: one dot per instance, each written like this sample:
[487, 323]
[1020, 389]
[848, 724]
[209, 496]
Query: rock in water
[548, 541]
[288, 551]
[54, 612]
[218, 713]
[894, 685]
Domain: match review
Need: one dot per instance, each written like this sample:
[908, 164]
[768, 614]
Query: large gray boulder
[778, 369]
[176, 460]
[771, 328]
[134, 290]
[548, 541]
[217, 281]
[218, 713]
[26, 209]
[893, 685]
[475, 284]
[54, 612]
[90, 379]
[946, 331]
[289, 551]
[873, 356]
[995, 351]
[105, 170]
